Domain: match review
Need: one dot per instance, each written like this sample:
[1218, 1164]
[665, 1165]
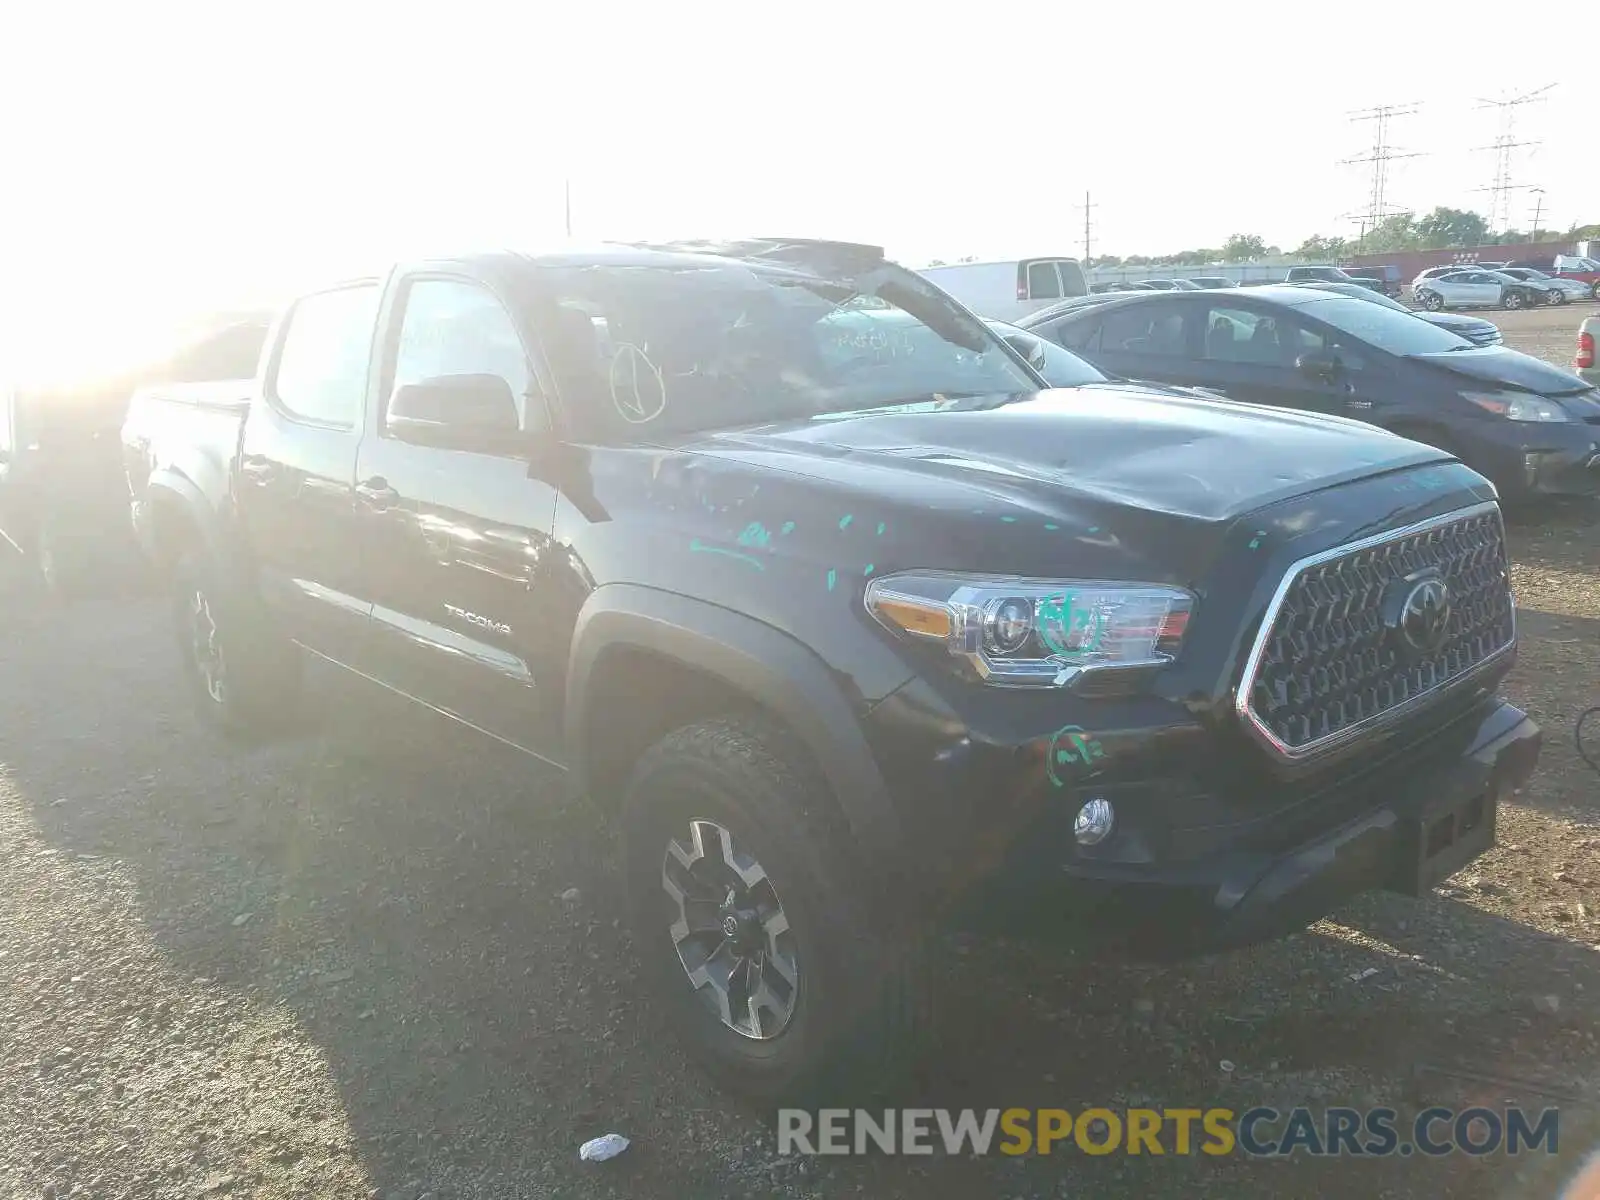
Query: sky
[164, 157]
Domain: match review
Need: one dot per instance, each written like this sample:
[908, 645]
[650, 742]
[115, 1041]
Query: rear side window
[1043, 282]
[1144, 329]
[321, 373]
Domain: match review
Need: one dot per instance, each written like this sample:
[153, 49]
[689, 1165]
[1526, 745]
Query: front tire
[757, 918]
[1512, 300]
[1594, 292]
[242, 679]
[1432, 301]
[1558, 297]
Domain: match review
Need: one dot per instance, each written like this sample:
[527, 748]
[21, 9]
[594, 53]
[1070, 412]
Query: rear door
[1148, 340]
[456, 543]
[296, 470]
[1043, 281]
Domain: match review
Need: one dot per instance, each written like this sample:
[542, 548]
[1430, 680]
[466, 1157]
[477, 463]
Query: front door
[456, 543]
[1266, 355]
[297, 465]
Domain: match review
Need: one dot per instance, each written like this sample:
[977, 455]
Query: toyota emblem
[1425, 615]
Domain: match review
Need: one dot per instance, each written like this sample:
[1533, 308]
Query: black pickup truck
[854, 627]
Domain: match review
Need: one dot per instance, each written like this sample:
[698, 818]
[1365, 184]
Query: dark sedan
[1532, 428]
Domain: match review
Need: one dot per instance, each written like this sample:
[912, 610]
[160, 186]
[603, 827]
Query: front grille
[1330, 662]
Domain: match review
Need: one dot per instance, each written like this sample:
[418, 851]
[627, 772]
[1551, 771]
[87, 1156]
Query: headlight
[1518, 406]
[1034, 632]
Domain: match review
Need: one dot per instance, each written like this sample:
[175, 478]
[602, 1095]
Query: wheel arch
[713, 660]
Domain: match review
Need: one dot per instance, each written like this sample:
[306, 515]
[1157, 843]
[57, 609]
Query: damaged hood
[1123, 445]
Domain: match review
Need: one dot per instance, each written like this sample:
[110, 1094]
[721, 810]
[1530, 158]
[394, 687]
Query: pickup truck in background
[63, 494]
[853, 627]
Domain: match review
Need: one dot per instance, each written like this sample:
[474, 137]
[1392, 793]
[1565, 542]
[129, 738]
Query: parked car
[1475, 289]
[1011, 288]
[1476, 330]
[822, 624]
[1212, 281]
[1331, 275]
[1556, 289]
[1584, 360]
[1578, 267]
[1532, 428]
[1386, 276]
[63, 497]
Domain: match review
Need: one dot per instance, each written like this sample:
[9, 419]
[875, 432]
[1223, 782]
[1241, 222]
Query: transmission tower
[1381, 156]
[1088, 227]
[1504, 147]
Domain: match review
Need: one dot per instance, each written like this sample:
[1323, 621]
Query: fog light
[1094, 822]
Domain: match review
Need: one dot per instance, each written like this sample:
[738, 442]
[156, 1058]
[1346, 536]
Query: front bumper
[1526, 461]
[1402, 831]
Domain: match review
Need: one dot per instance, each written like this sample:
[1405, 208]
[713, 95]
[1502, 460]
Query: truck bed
[184, 431]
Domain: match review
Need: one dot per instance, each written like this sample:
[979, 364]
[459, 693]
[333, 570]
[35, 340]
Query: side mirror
[457, 412]
[1318, 364]
[1029, 347]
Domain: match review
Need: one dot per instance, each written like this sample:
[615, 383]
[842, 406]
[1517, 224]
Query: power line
[1088, 227]
[1381, 156]
[1504, 146]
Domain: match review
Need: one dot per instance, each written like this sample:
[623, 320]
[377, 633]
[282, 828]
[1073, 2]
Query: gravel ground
[351, 964]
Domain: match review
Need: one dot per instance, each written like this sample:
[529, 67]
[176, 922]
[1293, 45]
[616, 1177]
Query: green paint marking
[1094, 529]
[1070, 746]
[1062, 622]
[755, 535]
[833, 578]
[1256, 541]
[881, 528]
[1009, 520]
[699, 547]
[844, 521]
[788, 527]
[869, 569]
[1051, 528]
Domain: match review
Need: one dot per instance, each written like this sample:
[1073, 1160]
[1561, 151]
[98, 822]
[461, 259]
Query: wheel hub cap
[730, 932]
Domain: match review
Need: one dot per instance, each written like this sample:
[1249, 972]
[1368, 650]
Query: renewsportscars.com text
[1260, 1131]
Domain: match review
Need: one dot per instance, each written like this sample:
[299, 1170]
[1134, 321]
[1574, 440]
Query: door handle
[259, 471]
[377, 493]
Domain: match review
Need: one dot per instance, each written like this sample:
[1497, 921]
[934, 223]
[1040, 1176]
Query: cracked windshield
[587, 612]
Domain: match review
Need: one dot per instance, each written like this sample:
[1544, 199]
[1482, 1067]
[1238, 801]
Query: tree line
[1441, 229]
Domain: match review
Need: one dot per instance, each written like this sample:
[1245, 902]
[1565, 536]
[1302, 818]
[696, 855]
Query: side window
[321, 372]
[1078, 335]
[1043, 283]
[1240, 335]
[452, 327]
[1144, 329]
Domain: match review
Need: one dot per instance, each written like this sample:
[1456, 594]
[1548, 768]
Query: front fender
[762, 662]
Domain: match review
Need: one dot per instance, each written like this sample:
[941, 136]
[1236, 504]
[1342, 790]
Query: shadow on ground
[406, 888]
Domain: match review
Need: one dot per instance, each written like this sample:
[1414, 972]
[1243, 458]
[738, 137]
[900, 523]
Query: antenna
[1504, 160]
[1381, 156]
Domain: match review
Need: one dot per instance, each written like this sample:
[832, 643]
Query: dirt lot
[343, 966]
